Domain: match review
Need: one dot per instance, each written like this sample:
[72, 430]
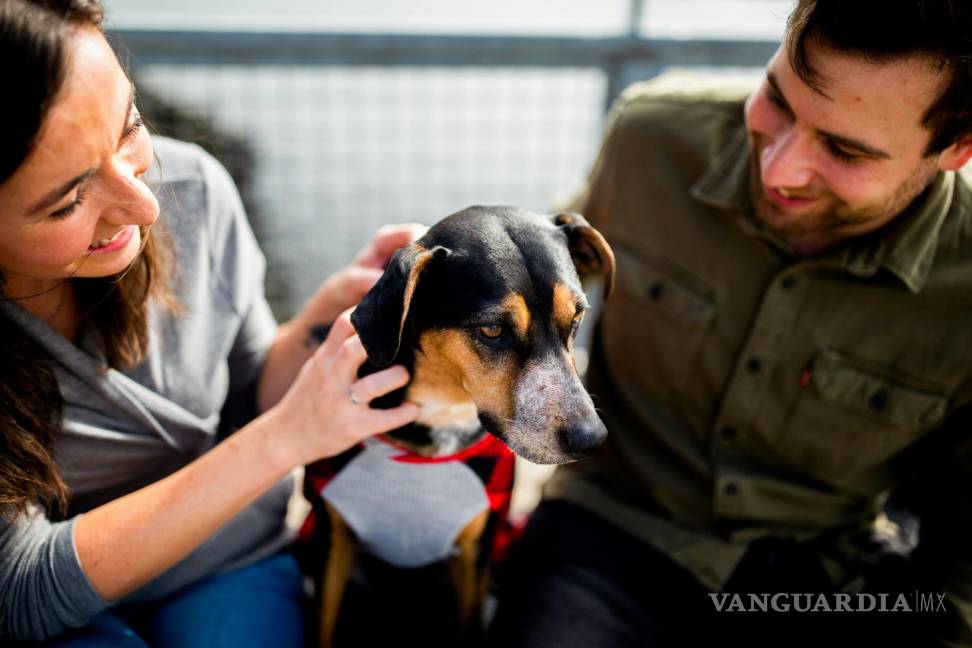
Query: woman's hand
[326, 411]
[386, 241]
[297, 338]
[129, 541]
[341, 291]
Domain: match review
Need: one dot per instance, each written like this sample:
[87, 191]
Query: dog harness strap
[407, 514]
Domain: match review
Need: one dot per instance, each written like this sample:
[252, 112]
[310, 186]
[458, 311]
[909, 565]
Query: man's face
[847, 159]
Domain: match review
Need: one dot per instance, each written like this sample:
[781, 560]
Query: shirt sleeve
[43, 589]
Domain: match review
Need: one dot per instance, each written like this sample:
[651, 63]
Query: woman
[120, 349]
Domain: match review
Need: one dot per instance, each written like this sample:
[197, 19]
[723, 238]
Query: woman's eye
[64, 212]
[491, 331]
[132, 131]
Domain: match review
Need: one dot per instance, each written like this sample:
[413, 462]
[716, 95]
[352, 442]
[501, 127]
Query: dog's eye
[577, 320]
[491, 331]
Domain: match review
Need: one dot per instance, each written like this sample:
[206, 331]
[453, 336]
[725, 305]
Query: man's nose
[786, 161]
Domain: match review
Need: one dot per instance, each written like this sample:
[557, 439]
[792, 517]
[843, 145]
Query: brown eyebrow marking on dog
[564, 312]
[564, 305]
[516, 306]
[452, 363]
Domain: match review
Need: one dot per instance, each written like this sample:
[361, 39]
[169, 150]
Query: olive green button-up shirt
[748, 392]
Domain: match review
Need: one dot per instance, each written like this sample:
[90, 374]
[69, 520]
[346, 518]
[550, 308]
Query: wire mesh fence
[329, 136]
[324, 155]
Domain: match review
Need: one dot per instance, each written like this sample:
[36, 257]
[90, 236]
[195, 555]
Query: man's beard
[836, 215]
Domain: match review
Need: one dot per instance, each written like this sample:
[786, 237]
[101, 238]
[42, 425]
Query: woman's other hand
[297, 339]
[346, 287]
[386, 241]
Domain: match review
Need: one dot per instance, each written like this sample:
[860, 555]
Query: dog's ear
[380, 316]
[588, 249]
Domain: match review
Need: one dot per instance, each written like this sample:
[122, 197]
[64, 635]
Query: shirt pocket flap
[660, 282]
[879, 392]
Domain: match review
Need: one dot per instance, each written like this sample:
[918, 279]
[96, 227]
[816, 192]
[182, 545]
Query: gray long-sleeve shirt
[124, 430]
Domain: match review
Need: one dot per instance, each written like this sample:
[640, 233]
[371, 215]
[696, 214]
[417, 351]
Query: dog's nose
[580, 439]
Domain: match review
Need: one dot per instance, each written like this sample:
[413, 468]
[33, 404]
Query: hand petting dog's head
[484, 308]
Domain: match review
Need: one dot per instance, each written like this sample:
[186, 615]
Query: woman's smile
[116, 241]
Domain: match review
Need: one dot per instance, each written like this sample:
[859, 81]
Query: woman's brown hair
[33, 45]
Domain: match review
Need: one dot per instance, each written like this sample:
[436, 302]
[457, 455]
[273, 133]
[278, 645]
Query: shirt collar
[725, 183]
[905, 247]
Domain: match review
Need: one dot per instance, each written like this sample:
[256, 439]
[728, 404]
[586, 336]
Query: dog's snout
[582, 438]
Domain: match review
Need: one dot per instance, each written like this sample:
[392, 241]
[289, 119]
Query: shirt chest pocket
[657, 320]
[856, 414]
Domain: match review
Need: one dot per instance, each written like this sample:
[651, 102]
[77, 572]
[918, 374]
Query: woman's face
[74, 207]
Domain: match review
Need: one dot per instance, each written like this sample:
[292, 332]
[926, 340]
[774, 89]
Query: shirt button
[729, 433]
[731, 488]
[753, 365]
[878, 400]
[788, 282]
[656, 290]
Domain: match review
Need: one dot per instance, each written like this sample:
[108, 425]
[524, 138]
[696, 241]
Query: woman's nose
[127, 199]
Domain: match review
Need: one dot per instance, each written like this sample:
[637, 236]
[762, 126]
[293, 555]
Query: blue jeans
[259, 605]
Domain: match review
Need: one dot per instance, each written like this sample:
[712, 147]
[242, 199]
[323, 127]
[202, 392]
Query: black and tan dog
[482, 310]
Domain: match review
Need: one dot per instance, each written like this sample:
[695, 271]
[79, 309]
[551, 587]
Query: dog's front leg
[469, 591]
[337, 569]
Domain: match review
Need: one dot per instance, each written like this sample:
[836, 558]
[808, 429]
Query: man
[790, 345]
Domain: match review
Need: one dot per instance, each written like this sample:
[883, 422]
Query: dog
[482, 311]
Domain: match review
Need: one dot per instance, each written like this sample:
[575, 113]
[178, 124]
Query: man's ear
[380, 316]
[588, 249]
[955, 156]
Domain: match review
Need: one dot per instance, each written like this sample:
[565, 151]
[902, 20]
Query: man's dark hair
[889, 30]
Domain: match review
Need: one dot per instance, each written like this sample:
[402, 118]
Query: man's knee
[576, 580]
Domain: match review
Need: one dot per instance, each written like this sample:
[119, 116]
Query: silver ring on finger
[354, 399]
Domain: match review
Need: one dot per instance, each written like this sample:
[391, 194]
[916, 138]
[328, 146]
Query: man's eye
[841, 154]
[491, 331]
[776, 100]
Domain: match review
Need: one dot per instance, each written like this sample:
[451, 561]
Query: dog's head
[484, 308]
